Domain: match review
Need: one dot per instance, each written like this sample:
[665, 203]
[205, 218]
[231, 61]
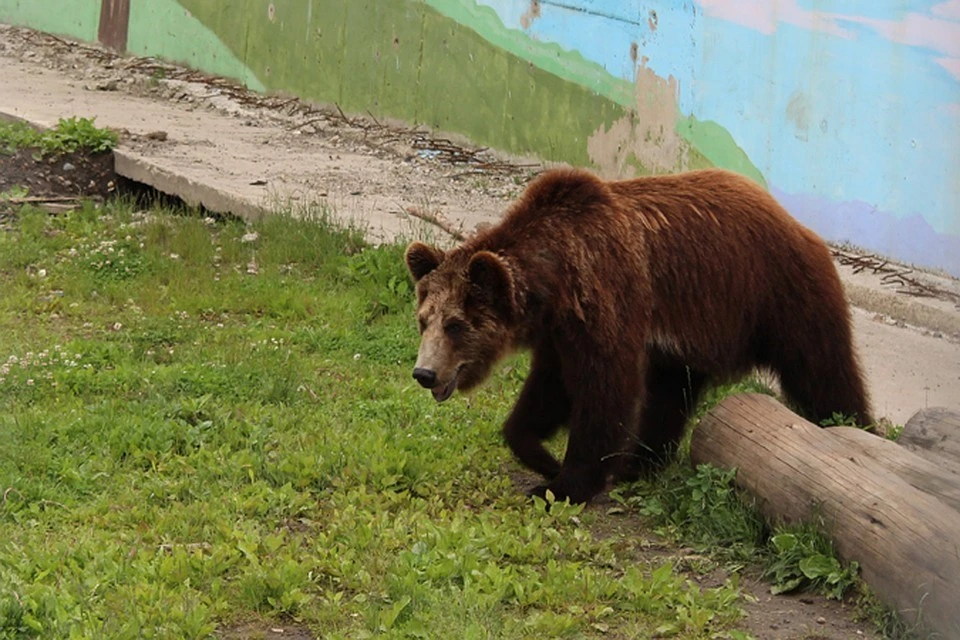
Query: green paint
[710, 144]
[449, 64]
[718, 147]
[79, 19]
[184, 39]
[569, 65]
[406, 60]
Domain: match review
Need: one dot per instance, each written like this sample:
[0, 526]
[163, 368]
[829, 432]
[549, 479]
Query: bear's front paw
[562, 488]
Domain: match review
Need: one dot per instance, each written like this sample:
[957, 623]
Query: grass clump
[70, 135]
[207, 424]
[702, 508]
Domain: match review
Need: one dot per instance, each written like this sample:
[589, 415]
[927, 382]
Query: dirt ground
[70, 175]
[223, 146]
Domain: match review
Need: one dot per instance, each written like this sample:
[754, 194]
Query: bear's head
[467, 312]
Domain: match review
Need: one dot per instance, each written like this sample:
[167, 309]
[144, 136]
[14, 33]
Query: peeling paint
[645, 140]
[531, 14]
[798, 113]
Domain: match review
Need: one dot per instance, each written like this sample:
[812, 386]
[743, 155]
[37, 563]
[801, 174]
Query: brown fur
[632, 296]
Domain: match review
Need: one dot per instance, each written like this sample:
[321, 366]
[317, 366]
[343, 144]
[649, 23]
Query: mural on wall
[851, 115]
[849, 112]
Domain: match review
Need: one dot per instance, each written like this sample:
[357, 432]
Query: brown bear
[632, 296]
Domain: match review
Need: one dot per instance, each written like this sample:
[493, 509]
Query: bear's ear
[422, 259]
[491, 282]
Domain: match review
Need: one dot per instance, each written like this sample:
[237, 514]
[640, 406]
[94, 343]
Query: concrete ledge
[139, 168]
[903, 307]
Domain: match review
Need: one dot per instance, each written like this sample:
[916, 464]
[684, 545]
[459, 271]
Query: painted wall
[849, 112]
[75, 18]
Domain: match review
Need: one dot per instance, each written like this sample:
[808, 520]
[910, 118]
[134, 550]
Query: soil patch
[265, 631]
[26, 177]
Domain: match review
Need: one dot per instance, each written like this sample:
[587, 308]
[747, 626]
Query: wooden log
[906, 540]
[934, 434]
[938, 481]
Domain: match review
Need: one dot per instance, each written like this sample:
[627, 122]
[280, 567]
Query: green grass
[70, 134]
[702, 509]
[202, 427]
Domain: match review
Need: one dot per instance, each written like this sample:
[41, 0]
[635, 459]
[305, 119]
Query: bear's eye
[455, 328]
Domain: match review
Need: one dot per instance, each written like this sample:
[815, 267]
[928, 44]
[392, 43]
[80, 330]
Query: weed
[703, 508]
[884, 428]
[158, 74]
[16, 135]
[70, 134]
[802, 556]
[73, 134]
[893, 432]
[839, 420]
[384, 274]
[14, 192]
[887, 622]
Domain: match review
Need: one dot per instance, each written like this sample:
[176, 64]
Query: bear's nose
[426, 377]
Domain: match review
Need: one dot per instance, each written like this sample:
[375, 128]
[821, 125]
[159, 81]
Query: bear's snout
[426, 377]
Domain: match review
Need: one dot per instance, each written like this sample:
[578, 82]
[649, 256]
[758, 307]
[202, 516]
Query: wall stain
[114, 24]
[798, 114]
[644, 141]
[530, 14]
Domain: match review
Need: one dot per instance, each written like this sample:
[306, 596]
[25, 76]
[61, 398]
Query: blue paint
[886, 138]
[911, 239]
[836, 120]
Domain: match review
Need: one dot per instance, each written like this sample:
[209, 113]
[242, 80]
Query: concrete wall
[76, 18]
[849, 112]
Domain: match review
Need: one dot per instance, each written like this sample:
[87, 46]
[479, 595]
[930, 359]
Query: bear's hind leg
[826, 384]
[541, 409]
[671, 399]
[817, 364]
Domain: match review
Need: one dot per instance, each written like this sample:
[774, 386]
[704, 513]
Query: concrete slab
[240, 164]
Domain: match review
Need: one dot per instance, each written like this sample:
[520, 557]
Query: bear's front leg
[585, 467]
[605, 407]
[543, 406]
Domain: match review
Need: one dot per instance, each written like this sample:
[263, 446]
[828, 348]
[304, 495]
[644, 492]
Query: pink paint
[952, 109]
[938, 31]
[952, 65]
[917, 30]
[949, 10]
[763, 15]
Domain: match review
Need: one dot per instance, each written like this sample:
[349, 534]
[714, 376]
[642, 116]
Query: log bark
[938, 481]
[934, 434]
[906, 539]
